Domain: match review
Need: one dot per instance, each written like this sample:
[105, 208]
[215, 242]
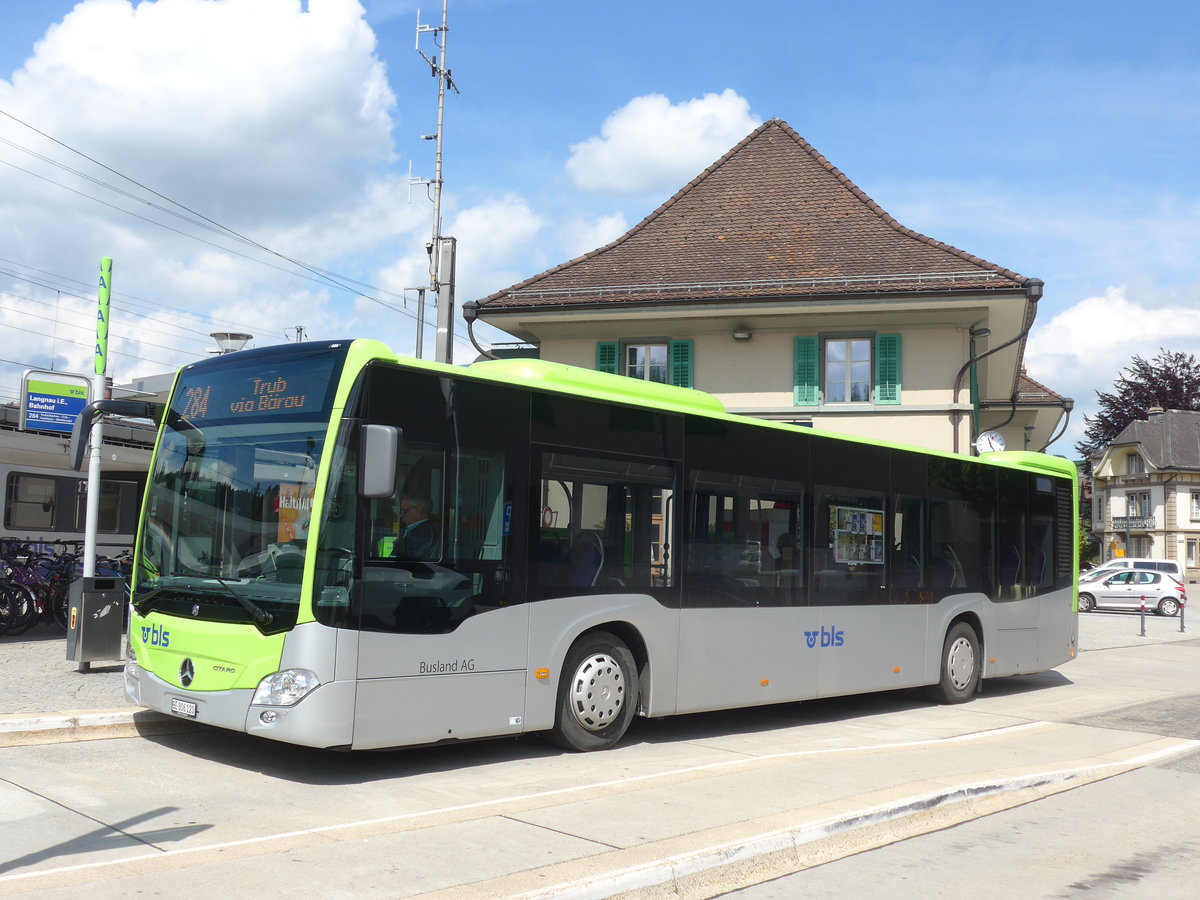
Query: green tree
[1087, 543]
[1171, 380]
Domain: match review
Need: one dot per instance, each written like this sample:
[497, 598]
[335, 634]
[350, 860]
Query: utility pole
[443, 293]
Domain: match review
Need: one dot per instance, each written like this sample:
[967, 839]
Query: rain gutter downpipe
[1068, 404]
[470, 311]
[1033, 293]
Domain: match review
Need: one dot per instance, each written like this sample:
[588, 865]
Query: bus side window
[908, 553]
[603, 525]
[745, 540]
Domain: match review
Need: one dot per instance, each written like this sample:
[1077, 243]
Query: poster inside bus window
[857, 535]
[294, 507]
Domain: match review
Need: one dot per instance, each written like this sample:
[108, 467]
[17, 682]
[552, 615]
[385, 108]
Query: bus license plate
[183, 708]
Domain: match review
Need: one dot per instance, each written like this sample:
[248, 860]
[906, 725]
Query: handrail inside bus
[131, 409]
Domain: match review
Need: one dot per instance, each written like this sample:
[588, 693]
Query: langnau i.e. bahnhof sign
[52, 401]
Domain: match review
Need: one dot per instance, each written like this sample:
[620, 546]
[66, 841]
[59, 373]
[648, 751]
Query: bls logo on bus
[155, 636]
[829, 637]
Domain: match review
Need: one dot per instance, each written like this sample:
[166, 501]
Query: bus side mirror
[82, 430]
[379, 447]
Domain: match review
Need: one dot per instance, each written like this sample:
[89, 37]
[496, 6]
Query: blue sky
[1056, 139]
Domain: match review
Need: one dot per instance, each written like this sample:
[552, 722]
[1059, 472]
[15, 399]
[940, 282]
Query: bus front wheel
[960, 666]
[597, 694]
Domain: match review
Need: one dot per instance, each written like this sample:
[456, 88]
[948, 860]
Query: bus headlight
[131, 664]
[285, 688]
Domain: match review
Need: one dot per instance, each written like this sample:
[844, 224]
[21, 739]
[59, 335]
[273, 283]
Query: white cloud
[272, 117]
[246, 108]
[582, 235]
[1083, 349]
[652, 144]
[496, 231]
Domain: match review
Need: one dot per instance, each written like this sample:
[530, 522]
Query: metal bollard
[1143, 634]
[1182, 610]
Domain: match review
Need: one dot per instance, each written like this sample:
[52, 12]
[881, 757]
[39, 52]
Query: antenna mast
[443, 293]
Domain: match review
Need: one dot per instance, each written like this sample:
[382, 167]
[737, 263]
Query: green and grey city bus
[593, 547]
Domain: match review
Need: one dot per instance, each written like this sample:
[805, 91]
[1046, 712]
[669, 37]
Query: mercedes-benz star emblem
[195, 609]
[187, 672]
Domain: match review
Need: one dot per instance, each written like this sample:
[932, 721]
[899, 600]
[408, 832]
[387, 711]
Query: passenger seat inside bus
[586, 560]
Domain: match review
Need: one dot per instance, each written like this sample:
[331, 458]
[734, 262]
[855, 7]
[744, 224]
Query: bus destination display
[254, 391]
[258, 396]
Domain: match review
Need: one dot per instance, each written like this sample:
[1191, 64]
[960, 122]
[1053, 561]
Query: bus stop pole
[92, 511]
[92, 515]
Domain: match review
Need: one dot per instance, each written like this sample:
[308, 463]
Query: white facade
[1140, 509]
[746, 358]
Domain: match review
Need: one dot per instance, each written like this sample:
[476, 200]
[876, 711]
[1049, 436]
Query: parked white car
[1170, 566]
[1130, 588]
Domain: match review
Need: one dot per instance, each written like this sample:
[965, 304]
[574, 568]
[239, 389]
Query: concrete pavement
[819, 800]
[46, 699]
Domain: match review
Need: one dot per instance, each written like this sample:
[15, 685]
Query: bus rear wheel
[959, 665]
[597, 694]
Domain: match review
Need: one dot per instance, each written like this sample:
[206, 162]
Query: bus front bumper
[324, 718]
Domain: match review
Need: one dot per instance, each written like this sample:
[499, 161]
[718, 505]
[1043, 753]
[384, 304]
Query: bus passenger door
[745, 623]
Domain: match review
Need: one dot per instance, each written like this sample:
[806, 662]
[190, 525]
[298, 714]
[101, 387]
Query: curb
[742, 854]
[94, 725]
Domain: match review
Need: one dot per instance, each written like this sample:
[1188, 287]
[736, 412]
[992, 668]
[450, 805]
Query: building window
[1134, 465]
[848, 370]
[646, 361]
[856, 369]
[665, 362]
[1195, 506]
[1193, 553]
[1138, 504]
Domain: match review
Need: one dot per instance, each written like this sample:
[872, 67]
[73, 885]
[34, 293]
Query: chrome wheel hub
[597, 691]
[960, 663]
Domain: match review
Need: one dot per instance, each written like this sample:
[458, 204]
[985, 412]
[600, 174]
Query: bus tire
[597, 693]
[959, 665]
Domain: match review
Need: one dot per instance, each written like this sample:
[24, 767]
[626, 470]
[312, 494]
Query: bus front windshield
[231, 495]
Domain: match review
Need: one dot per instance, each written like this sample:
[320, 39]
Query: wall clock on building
[989, 442]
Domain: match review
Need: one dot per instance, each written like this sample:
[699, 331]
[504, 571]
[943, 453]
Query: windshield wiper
[260, 615]
[142, 604]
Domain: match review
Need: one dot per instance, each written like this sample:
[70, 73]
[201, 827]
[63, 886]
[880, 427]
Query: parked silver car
[1129, 589]
[1170, 566]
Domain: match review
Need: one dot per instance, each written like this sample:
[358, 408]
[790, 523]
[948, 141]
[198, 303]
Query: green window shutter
[607, 354]
[887, 369]
[806, 371]
[682, 355]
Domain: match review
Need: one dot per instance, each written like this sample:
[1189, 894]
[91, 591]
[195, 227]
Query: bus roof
[562, 378]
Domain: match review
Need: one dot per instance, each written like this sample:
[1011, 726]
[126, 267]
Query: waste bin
[95, 620]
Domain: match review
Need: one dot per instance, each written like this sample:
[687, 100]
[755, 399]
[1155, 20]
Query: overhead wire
[200, 220]
[201, 336]
[58, 322]
[196, 219]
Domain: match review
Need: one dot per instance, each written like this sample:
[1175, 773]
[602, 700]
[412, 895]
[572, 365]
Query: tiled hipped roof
[1169, 440]
[772, 218]
[1034, 392]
